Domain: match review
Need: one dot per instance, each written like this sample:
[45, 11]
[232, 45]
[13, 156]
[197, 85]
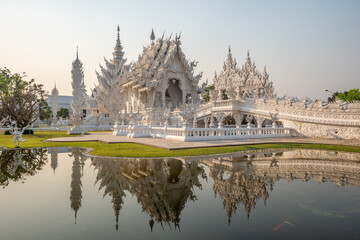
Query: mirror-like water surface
[59, 193]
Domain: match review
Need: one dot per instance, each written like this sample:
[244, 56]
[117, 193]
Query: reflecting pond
[61, 193]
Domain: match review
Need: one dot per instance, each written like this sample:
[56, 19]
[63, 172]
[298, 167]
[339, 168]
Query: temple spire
[152, 35]
[230, 58]
[248, 60]
[118, 53]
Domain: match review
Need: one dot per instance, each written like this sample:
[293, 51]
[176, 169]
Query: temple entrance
[173, 94]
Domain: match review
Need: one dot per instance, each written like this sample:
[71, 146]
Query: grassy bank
[137, 150]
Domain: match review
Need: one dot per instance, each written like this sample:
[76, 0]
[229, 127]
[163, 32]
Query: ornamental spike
[152, 35]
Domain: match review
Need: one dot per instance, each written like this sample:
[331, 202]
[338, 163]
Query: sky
[307, 46]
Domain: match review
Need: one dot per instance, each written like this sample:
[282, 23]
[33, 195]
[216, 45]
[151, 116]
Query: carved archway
[266, 123]
[173, 93]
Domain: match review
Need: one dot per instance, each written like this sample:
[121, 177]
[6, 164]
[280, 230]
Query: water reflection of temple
[237, 186]
[54, 158]
[75, 186]
[162, 187]
[246, 178]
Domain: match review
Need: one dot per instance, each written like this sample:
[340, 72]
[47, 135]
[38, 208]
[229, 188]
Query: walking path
[173, 144]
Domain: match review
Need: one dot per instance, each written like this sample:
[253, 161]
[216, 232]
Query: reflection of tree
[54, 158]
[162, 187]
[76, 192]
[17, 164]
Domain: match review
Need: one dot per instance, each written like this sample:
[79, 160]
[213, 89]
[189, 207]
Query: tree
[19, 99]
[206, 95]
[333, 96]
[349, 96]
[63, 112]
[45, 112]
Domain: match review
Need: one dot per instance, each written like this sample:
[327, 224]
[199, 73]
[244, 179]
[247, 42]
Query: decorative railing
[201, 134]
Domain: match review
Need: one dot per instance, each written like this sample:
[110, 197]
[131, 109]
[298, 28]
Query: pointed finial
[248, 54]
[151, 223]
[118, 53]
[229, 49]
[55, 85]
[75, 216]
[152, 35]
[77, 52]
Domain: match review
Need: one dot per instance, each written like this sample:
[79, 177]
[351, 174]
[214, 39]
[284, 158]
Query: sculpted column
[206, 119]
[259, 121]
[238, 119]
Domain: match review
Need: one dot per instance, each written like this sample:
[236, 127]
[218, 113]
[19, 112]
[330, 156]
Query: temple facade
[162, 77]
[159, 96]
[245, 82]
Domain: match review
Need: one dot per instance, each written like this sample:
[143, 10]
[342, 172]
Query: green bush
[26, 132]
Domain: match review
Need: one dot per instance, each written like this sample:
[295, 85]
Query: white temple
[159, 96]
[54, 104]
[79, 95]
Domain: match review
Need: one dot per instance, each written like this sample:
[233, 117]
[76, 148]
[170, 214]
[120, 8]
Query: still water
[59, 193]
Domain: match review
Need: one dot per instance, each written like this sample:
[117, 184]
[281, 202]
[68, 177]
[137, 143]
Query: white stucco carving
[54, 104]
[161, 87]
[79, 96]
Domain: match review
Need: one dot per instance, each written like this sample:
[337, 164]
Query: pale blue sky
[307, 46]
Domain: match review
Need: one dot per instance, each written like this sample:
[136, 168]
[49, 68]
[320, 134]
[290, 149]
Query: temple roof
[155, 60]
[251, 82]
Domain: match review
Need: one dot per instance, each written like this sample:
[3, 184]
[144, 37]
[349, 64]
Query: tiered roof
[249, 81]
[154, 61]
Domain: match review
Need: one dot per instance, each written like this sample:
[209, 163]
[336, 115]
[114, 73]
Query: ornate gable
[247, 81]
[157, 59]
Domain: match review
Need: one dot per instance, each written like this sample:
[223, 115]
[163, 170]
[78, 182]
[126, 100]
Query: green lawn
[138, 150]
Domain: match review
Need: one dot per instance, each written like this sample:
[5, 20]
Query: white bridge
[252, 118]
[312, 119]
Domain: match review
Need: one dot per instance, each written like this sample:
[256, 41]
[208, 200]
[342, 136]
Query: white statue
[17, 162]
[274, 118]
[14, 130]
[220, 116]
[249, 119]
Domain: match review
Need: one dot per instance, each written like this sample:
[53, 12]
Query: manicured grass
[137, 150]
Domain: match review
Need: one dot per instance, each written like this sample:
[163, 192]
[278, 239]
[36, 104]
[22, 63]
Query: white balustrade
[201, 134]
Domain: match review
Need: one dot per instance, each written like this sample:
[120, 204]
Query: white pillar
[238, 119]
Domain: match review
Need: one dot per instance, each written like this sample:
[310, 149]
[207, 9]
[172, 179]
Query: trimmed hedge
[27, 131]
